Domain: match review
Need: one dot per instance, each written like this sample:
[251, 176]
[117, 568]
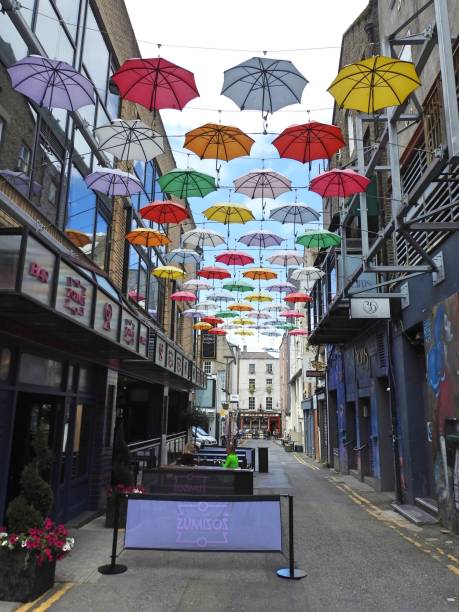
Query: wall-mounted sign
[178, 364]
[314, 374]
[193, 373]
[38, 271]
[370, 308]
[160, 352]
[209, 346]
[170, 358]
[234, 397]
[129, 330]
[107, 316]
[74, 295]
[185, 368]
[143, 340]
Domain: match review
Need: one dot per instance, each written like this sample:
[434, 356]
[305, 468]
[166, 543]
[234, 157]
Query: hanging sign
[370, 308]
[209, 346]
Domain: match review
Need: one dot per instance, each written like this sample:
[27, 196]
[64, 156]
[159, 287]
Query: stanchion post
[290, 572]
[113, 567]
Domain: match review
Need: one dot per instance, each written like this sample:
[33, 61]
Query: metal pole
[113, 567]
[164, 424]
[363, 195]
[290, 572]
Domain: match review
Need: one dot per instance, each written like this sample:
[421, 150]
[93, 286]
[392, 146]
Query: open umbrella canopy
[214, 272]
[263, 83]
[241, 307]
[261, 238]
[187, 183]
[21, 182]
[286, 258]
[275, 306]
[201, 326]
[207, 305]
[243, 322]
[155, 83]
[234, 258]
[272, 332]
[238, 285]
[217, 141]
[260, 315]
[318, 239]
[297, 297]
[374, 83]
[309, 141]
[113, 182]
[212, 320]
[287, 326]
[297, 332]
[260, 273]
[136, 296]
[291, 314]
[129, 139]
[308, 273]
[262, 184]
[222, 295]
[198, 238]
[164, 212]
[216, 331]
[183, 296]
[339, 183]
[296, 213]
[183, 256]
[79, 239]
[196, 283]
[226, 314]
[244, 332]
[281, 286]
[259, 297]
[147, 237]
[51, 83]
[228, 213]
[193, 313]
[168, 272]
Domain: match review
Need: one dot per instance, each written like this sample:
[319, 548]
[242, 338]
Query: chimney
[244, 348]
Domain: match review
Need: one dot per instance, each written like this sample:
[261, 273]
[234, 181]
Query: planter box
[22, 579]
[110, 513]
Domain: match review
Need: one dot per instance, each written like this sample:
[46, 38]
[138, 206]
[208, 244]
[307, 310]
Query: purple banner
[204, 525]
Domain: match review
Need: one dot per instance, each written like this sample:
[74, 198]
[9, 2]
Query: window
[81, 441]
[251, 368]
[208, 367]
[23, 158]
[95, 47]
[251, 382]
[51, 33]
[269, 381]
[350, 133]
[269, 368]
[268, 403]
[251, 403]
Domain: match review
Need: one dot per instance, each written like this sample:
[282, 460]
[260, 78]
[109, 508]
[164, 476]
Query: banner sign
[221, 525]
[370, 308]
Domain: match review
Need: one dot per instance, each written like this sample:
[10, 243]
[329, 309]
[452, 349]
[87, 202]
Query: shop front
[260, 423]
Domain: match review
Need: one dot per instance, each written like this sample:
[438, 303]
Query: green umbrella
[238, 285]
[285, 326]
[187, 183]
[226, 314]
[318, 239]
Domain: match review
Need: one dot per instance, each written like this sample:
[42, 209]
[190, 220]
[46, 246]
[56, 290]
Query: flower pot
[21, 579]
[110, 512]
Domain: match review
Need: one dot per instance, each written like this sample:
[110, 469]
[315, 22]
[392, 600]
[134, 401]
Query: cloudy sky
[207, 38]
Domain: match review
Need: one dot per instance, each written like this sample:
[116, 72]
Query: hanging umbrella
[309, 141]
[129, 139]
[260, 315]
[288, 326]
[339, 183]
[192, 313]
[183, 296]
[271, 332]
[217, 332]
[200, 326]
[228, 213]
[207, 305]
[214, 272]
[261, 238]
[21, 181]
[147, 237]
[282, 286]
[183, 257]
[275, 306]
[155, 83]
[260, 274]
[297, 297]
[318, 239]
[217, 141]
[197, 238]
[296, 213]
[79, 239]
[307, 273]
[113, 182]
[298, 332]
[286, 258]
[263, 83]
[262, 184]
[234, 258]
[241, 307]
[187, 183]
[259, 297]
[164, 212]
[226, 314]
[291, 314]
[221, 295]
[168, 272]
[238, 285]
[212, 320]
[196, 283]
[244, 332]
[136, 296]
[51, 83]
[374, 83]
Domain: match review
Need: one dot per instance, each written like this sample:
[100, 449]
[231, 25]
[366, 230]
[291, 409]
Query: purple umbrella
[193, 313]
[282, 286]
[51, 83]
[21, 180]
[113, 182]
[261, 238]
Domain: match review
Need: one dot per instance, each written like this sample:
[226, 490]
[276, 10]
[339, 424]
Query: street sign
[370, 308]
[234, 397]
[209, 346]
[314, 374]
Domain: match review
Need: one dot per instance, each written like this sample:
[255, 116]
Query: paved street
[359, 556]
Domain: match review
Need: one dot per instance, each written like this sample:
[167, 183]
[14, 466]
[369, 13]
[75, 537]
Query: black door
[351, 437]
[365, 443]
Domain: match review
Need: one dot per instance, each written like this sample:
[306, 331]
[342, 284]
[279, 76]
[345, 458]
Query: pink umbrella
[297, 332]
[134, 295]
[293, 314]
[234, 258]
[183, 296]
[297, 297]
[214, 272]
[339, 183]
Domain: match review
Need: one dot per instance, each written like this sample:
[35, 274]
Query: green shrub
[21, 515]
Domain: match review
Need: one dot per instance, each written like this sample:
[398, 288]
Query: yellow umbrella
[226, 212]
[201, 326]
[259, 297]
[241, 321]
[79, 239]
[260, 274]
[241, 307]
[147, 237]
[168, 272]
[244, 332]
[374, 83]
[217, 141]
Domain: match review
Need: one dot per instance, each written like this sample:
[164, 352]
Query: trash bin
[289, 447]
[298, 448]
[263, 459]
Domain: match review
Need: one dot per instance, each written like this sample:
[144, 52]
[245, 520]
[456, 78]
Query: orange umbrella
[241, 307]
[147, 237]
[260, 274]
[217, 141]
[79, 239]
[202, 326]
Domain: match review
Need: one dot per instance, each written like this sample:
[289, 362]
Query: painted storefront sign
[74, 295]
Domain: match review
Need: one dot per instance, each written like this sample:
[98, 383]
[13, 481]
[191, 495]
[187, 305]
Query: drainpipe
[394, 420]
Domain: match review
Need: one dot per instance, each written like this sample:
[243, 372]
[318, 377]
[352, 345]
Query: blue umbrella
[183, 256]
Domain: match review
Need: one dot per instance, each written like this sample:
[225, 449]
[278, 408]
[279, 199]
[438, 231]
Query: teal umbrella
[187, 183]
[226, 314]
[238, 285]
[318, 239]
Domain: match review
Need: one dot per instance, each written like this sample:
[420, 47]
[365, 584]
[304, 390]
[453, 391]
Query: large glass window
[96, 57]
[51, 34]
[69, 10]
[81, 441]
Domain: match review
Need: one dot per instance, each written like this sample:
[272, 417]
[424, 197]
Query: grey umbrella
[129, 139]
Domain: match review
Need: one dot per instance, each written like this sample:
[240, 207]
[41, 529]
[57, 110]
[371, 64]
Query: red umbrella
[183, 296]
[217, 332]
[312, 140]
[134, 295]
[214, 272]
[164, 212]
[212, 320]
[339, 183]
[293, 314]
[234, 258]
[297, 332]
[155, 83]
[297, 297]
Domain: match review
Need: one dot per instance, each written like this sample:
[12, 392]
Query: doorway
[351, 435]
[365, 440]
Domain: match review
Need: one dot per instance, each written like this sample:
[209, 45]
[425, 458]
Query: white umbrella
[286, 258]
[308, 273]
[202, 237]
[196, 283]
[183, 256]
[206, 305]
[129, 139]
[263, 184]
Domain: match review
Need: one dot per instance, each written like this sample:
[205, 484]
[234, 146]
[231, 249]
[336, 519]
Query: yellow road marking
[55, 597]
[28, 606]
[453, 569]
